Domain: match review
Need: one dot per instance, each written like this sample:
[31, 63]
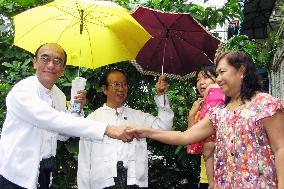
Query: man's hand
[81, 98]
[162, 85]
[119, 132]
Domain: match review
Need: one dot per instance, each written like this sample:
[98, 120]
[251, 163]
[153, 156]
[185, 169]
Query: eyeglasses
[56, 61]
[117, 85]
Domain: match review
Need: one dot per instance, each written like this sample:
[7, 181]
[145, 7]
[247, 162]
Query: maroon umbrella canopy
[179, 43]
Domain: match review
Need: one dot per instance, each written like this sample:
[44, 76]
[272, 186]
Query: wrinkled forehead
[116, 77]
[53, 50]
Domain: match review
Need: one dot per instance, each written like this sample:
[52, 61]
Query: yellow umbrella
[93, 33]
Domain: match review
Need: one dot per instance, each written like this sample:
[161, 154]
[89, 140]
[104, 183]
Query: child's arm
[193, 111]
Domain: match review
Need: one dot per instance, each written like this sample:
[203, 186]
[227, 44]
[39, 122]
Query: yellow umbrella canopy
[93, 33]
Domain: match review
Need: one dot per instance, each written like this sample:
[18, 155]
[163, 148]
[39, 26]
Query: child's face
[203, 81]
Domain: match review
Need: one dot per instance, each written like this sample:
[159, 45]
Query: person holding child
[249, 129]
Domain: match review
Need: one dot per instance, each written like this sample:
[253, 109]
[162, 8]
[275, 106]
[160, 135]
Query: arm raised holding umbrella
[112, 163]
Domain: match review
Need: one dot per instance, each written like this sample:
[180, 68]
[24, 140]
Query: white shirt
[48, 138]
[29, 115]
[97, 159]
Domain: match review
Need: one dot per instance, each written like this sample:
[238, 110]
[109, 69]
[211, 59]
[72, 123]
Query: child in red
[212, 97]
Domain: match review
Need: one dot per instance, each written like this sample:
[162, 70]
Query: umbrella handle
[164, 93]
[163, 70]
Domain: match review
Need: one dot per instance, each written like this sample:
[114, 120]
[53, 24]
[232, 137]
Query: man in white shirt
[36, 119]
[111, 163]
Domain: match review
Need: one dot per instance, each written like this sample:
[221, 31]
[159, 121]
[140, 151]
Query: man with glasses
[113, 164]
[36, 119]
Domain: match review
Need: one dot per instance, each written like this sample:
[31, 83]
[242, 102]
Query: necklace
[234, 106]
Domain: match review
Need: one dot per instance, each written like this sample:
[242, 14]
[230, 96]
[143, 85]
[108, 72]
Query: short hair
[251, 80]
[103, 80]
[208, 69]
[65, 54]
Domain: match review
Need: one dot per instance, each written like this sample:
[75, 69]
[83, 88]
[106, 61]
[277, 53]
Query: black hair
[208, 69]
[251, 80]
[65, 54]
[104, 81]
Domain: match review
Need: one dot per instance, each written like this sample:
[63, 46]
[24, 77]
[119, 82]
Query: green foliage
[261, 53]
[4, 88]
[241, 43]
[209, 17]
[13, 7]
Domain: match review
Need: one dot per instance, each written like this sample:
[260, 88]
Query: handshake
[125, 133]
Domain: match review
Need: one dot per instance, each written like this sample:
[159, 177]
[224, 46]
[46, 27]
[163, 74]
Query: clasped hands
[126, 133]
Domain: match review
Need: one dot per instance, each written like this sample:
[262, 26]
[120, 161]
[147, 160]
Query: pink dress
[243, 157]
[214, 98]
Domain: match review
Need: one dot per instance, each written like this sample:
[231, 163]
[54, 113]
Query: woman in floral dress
[249, 128]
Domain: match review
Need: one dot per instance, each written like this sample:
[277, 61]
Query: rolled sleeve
[165, 117]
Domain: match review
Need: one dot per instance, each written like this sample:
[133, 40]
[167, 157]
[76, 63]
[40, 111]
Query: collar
[42, 89]
[118, 110]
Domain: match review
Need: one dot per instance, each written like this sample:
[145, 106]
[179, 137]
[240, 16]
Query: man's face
[49, 64]
[116, 91]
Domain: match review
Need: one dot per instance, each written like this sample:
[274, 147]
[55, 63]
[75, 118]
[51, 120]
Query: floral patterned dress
[243, 156]
[214, 98]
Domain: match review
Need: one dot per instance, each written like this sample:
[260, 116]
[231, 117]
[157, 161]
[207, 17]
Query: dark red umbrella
[179, 44]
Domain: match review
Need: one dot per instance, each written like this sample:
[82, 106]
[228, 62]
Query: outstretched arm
[201, 131]
[119, 132]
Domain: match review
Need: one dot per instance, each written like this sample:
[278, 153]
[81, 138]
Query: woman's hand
[139, 132]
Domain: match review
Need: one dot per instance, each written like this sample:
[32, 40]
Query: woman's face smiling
[229, 78]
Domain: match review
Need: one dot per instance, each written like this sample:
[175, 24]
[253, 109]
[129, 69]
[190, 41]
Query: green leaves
[261, 53]
[4, 89]
[13, 7]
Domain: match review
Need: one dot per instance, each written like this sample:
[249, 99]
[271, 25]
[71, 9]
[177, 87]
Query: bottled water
[78, 84]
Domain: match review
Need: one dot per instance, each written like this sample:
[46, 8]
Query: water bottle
[78, 84]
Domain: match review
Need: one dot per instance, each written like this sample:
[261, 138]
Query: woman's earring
[242, 76]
